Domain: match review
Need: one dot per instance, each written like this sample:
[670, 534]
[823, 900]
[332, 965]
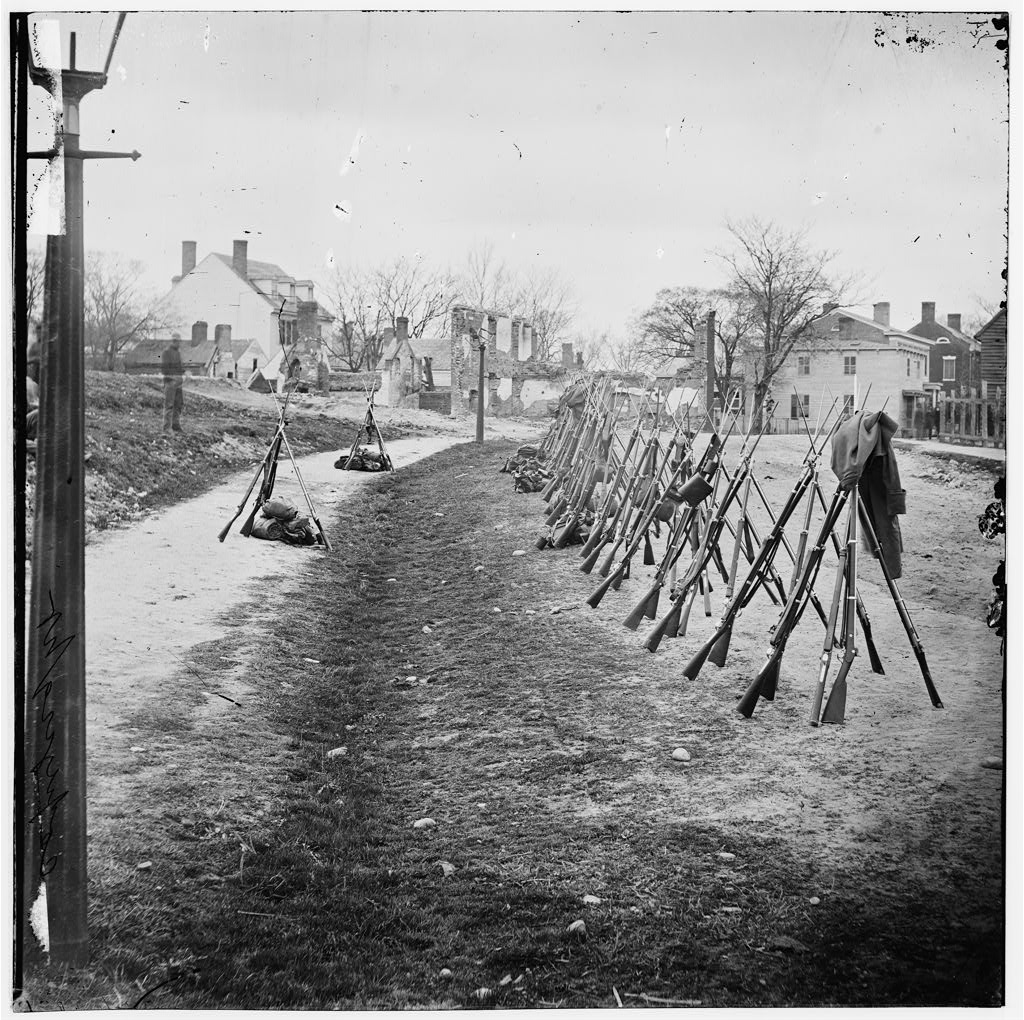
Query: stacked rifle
[617, 493]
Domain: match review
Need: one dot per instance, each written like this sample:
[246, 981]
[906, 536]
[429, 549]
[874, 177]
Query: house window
[949, 369]
[908, 368]
[799, 405]
[847, 405]
[850, 364]
[255, 363]
[803, 364]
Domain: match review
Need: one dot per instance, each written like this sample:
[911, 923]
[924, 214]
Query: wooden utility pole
[480, 391]
[53, 865]
[709, 396]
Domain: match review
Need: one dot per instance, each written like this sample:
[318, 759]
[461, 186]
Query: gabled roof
[226, 259]
[1001, 314]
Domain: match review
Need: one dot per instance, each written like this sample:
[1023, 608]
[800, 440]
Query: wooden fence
[972, 420]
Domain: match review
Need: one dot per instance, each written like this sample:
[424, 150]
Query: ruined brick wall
[464, 363]
[508, 365]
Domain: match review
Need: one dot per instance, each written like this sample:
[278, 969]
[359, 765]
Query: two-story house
[255, 308]
[954, 364]
[844, 347]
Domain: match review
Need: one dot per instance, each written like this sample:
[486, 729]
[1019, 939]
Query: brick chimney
[188, 257]
[198, 333]
[953, 321]
[402, 330]
[492, 334]
[927, 311]
[517, 325]
[882, 313]
[240, 259]
[567, 359]
[222, 336]
[305, 323]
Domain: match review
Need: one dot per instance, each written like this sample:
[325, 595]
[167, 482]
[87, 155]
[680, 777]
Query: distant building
[954, 364]
[256, 308]
[515, 382]
[846, 346]
[992, 343]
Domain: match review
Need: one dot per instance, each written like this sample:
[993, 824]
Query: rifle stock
[720, 650]
[684, 617]
[594, 539]
[602, 589]
[667, 623]
[639, 611]
[649, 559]
[246, 528]
[651, 612]
[865, 626]
[588, 564]
[556, 511]
[696, 663]
[746, 705]
[835, 707]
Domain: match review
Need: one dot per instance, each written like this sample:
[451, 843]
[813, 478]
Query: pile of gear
[365, 458]
[279, 521]
[527, 469]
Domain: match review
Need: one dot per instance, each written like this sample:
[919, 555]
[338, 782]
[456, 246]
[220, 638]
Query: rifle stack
[616, 481]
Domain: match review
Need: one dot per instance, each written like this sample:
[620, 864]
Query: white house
[249, 308]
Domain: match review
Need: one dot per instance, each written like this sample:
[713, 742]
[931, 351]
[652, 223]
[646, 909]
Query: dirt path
[156, 590]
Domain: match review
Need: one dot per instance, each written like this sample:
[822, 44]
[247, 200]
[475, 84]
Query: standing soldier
[323, 372]
[174, 397]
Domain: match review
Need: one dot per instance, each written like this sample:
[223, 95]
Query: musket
[901, 606]
[646, 515]
[268, 469]
[709, 469]
[636, 497]
[765, 683]
[754, 576]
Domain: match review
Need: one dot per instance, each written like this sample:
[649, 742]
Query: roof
[150, 350]
[230, 264]
[1001, 314]
[845, 313]
[437, 348]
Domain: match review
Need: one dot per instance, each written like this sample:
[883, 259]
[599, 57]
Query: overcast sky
[612, 147]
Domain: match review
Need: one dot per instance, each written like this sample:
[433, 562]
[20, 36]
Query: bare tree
[369, 301]
[35, 272]
[410, 288]
[358, 335]
[786, 282]
[486, 281]
[627, 355]
[545, 300]
[736, 320]
[539, 296]
[116, 311]
[674, 324]
[592, 350]
[984, 309]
